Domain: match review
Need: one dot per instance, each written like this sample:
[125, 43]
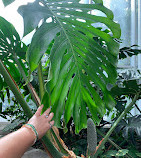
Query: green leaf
[7, 2]
[98, 1]
[47, 33]
[45, 101]
[138, 154]
[128, 52]
[127, 87]
[10, 41]
[32, 14]
[116, 153]
[122, 152]
[13, 70]
[80, 68]
[130, 126]
[110, 153]
[10, 46]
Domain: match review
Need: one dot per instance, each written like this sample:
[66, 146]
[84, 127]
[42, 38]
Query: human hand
[42, 123]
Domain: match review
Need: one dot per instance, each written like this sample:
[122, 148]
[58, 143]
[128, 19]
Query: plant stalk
[113, 143]
[41, 81]
[115, 124]
[14, 88]
[50, 147]
[29, 86]
[42, 90]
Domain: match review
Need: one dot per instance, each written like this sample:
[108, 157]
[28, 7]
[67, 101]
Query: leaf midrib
[67, 39]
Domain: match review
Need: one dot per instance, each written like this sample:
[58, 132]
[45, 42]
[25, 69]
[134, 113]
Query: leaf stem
[29, 86]
[50, 147]
[41, 82]
[113, 143]
[115, 124]
[14, 88]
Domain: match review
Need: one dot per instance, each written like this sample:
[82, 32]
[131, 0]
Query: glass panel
[122, 15]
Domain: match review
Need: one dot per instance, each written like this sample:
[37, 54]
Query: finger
[50, 116]
[51, 124]
[46, 113]
[39, 110]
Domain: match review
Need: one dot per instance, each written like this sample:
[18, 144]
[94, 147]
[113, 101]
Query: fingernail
[52, 113]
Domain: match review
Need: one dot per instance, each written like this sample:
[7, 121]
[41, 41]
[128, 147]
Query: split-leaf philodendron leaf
[11, 44]
[80, 68]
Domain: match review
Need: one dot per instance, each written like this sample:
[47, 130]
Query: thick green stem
[109, 140]
[42, 89]
[20, 67]
[54, 152]
[26, 80]
[116, 123]
[15, 90]
[41, 81]
[59, 144]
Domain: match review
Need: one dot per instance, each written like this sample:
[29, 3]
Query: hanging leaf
[130, 125]
[122, 152]
[133, 124]
[80, 68]
[138, 154]
[128, 52]
[10, 42]
[115, 153]
[10, 45]
[110, 153]
[129, 87]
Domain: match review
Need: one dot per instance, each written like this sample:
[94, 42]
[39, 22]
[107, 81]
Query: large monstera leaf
[10, 46]
[80, 68]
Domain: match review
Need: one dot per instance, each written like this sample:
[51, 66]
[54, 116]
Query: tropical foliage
[128, 52]
[75, 61]
[79, 68]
